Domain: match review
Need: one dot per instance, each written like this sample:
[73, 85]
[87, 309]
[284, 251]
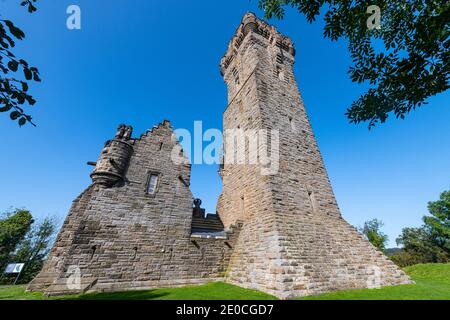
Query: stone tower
[294, 241]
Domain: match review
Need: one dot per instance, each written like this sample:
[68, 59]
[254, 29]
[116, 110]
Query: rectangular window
[152, 183]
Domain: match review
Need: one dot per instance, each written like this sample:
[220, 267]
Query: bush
[405, 259]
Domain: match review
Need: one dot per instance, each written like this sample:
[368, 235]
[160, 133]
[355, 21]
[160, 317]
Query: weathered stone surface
[294, 241]
[125, 238]
[283, 233]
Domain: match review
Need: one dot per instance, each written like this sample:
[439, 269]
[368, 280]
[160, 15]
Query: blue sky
[139, 62]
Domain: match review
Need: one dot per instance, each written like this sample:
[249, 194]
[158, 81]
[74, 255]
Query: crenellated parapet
[163, 124]
[251, 24]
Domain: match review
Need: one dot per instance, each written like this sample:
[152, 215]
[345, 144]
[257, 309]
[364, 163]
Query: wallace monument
[137, 227]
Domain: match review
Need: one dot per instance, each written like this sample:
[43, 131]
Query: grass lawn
[210, 291]
[432, 282]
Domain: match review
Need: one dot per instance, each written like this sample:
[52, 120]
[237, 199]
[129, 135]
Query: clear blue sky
[140, 62]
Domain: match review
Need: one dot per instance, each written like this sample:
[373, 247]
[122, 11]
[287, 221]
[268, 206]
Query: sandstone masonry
[135, 226]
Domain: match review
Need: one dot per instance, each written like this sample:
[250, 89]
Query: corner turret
[111, 167]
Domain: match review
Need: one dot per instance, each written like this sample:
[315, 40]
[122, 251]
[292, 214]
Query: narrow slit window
[236, 77]
[152, 183]
[93, 248]
[280, 74]
[292, 123]
[312, 199]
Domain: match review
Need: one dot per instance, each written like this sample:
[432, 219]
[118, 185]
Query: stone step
[64, 287]
[42, 281]
[209, 223]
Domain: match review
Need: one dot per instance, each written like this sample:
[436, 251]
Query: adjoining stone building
[135, 226]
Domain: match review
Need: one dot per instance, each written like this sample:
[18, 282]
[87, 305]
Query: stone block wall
[294, 241]
[120, 237]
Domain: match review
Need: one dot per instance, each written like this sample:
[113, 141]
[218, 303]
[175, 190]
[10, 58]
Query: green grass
[432, 283]
[209, 291]
[18, 293]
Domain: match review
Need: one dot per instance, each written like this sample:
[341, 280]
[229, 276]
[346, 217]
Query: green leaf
[23, 62]
[5, 108]
[21, 98]
[14, 115]
[22, 121]
[16, 32]
[10, 54]
[31, 8]
[36, 77]
[24, 86]
[30, 100]
[28, 74]
[13, 65]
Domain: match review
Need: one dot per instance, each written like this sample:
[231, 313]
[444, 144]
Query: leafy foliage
[438, 223]
[29, 5]
[413, 63]
[13, 228]
[34, 249]
[404, 259]
[372, 232]
[23, 241]
[431, 242]
[14, 88]
[418, 247]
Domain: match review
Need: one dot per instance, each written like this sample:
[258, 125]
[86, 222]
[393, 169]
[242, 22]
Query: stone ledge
[212, 235]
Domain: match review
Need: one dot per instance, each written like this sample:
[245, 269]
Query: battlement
[165, 123]
[252, 24]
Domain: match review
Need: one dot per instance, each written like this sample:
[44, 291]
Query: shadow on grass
[128, 295]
